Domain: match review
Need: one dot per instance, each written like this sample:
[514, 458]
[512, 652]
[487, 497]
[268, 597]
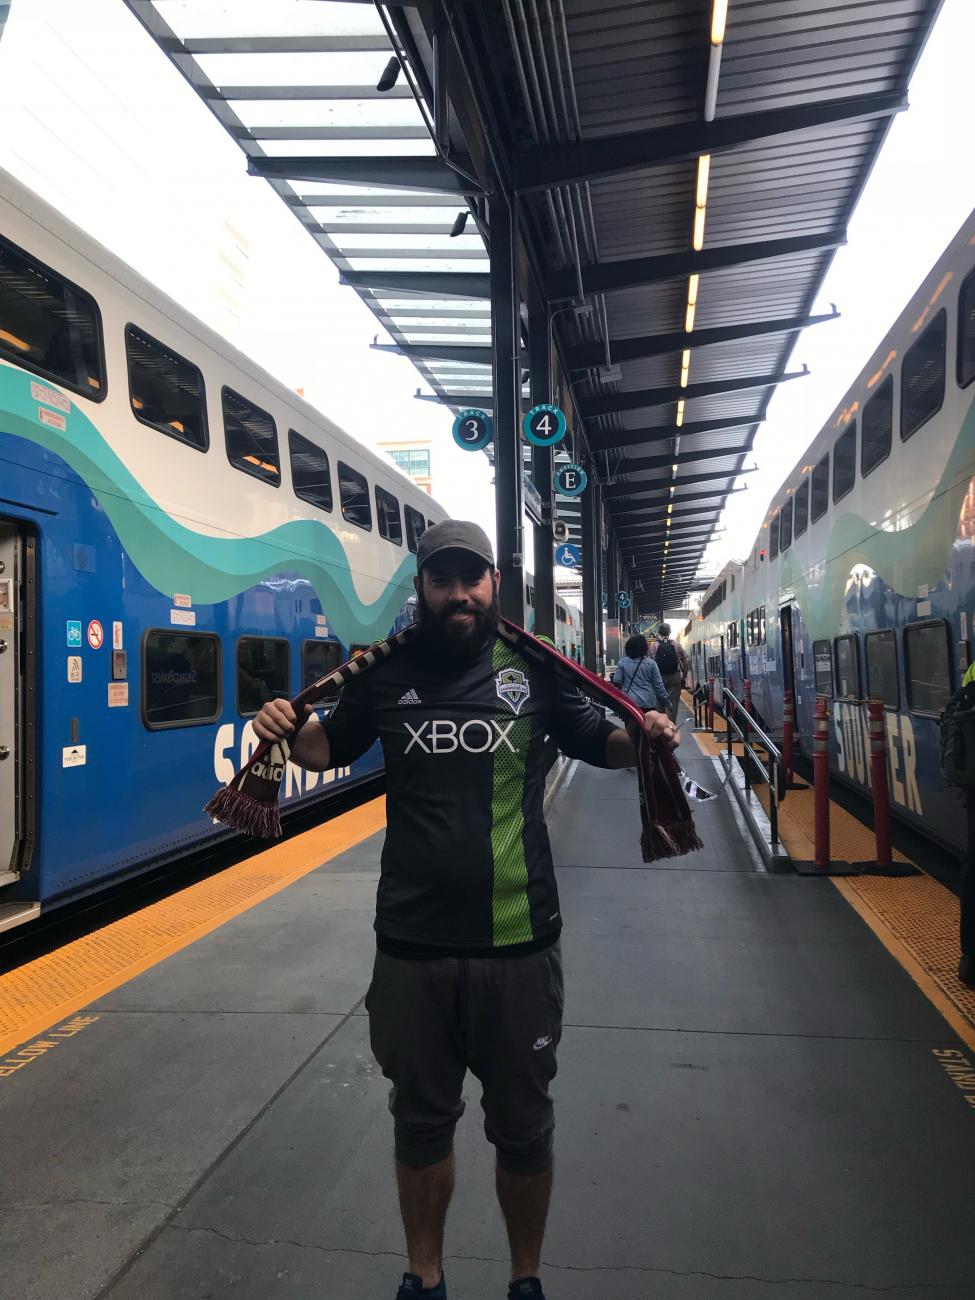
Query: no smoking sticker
[96, 634]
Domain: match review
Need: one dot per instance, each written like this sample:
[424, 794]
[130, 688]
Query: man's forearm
[310, 748]
[619, 749]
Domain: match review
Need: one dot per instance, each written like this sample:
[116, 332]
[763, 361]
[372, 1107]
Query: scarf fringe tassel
[669, 842]
[241, 812]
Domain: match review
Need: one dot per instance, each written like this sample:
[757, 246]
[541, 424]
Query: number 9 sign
[472, 430]
[544, 425]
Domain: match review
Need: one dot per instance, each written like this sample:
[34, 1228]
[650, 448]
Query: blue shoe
[525, 1288]
[412, 1289]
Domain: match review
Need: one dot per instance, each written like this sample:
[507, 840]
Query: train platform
[755, 1099]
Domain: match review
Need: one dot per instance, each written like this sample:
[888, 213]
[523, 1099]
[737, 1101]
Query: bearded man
[468, 971]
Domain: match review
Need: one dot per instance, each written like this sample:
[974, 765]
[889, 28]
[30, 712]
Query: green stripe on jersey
[512, 915]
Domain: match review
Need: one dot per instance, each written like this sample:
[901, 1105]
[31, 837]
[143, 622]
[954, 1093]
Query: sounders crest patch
[512, 685]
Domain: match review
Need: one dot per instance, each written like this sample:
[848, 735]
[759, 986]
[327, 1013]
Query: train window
[263, 672]
[354, 494]
[49, 325]
[317, 659]
[252, 439]
[310, 475]
[847, 668]
[761, 626]
[415, 528]
[923, 377]
[880, 651]
[387, 513]
[773, 537]
[165, 390]
[785, 526]
[180, 679]
[878, 421]
[819, 496]
[823, 665]
[802, 507]
[845, 461]
[927, 666]
[966, 331]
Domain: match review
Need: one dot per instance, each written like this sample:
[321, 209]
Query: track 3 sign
[544, 425]
[570, 480]
[472, 430]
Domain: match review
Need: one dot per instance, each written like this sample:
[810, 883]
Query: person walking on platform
[638, 676]
[673, 665]
[468, 971]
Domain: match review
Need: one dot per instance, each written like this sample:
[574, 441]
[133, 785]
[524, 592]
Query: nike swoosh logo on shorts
[540, 1043]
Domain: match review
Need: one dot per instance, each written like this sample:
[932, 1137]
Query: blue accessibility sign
[570, 480]
[472, 430]
[568, 556]
[74, 633]
[544, 425]
[623, 599]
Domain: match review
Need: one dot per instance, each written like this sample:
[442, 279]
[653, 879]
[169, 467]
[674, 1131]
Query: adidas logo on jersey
[410, 697]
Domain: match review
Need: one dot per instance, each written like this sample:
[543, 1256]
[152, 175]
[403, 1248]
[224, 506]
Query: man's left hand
[659, 727]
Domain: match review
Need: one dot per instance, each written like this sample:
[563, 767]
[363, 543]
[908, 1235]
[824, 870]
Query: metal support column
[591, 616]
[507, 409]
[597, 502]
[540, 362]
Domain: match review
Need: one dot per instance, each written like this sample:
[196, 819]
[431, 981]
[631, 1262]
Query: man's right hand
[277, 719]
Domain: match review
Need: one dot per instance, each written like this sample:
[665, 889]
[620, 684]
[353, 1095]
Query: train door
[788, 653]
[724, 666]
[16, 767]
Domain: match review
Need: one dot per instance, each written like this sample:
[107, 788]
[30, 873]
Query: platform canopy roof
[686, 168]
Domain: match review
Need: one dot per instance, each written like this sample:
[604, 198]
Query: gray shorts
[499, 1017]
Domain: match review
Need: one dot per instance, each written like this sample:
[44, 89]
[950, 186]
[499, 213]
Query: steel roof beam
[604, 277]
[686, 457]
[352, 199]
[665, 487]
[644, 487]
[394, 173]
[611, 403]
[276, 93]
[437, 352]
[429, 284]
[615, 438]
[568, 164]
[479, 401]
[277, 45]
[586, 355]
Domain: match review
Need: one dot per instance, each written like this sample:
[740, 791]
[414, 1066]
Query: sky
[101, 125]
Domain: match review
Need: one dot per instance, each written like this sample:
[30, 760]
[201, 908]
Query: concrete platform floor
[750, 1102]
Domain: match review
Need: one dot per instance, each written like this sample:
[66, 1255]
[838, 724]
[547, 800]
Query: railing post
[878, 780]
[821, 781]
[773, 799]
[746, 759]
[711, 703]
[788, 733]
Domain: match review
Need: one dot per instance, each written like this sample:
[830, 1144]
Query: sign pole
[540, 363]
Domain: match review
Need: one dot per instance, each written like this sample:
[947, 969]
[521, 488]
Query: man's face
[458, 600]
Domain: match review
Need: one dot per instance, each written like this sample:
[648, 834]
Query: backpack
[667, 659]
[958, 738]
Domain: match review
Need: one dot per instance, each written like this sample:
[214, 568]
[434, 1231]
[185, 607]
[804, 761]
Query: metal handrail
[774, 774]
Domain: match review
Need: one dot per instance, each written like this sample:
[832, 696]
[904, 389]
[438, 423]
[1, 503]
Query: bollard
[710, 716]
[746, 697]
[878, 779]
[788, 734]
[821, 781]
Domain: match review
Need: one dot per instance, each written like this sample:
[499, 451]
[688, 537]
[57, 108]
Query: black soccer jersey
[467, 863]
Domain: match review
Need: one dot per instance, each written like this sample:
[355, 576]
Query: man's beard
[455, 639]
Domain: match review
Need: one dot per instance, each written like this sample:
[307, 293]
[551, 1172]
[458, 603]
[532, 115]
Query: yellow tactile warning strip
[914, 917]
[38, 994]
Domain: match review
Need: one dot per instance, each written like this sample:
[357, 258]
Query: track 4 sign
[544, 425]
[472, 429]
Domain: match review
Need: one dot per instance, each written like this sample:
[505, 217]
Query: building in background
[412, 457]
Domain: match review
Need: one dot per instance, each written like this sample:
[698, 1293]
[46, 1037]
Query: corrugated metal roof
[300, 79]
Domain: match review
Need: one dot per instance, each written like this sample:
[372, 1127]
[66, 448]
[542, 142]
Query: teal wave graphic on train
[174, 557]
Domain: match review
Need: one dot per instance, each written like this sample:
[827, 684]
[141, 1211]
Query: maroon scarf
[250, 801]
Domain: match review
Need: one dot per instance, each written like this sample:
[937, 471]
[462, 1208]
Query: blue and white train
[181, 538]
[862, 579]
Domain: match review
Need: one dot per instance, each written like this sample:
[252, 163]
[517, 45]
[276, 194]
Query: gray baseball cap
[454, 535]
